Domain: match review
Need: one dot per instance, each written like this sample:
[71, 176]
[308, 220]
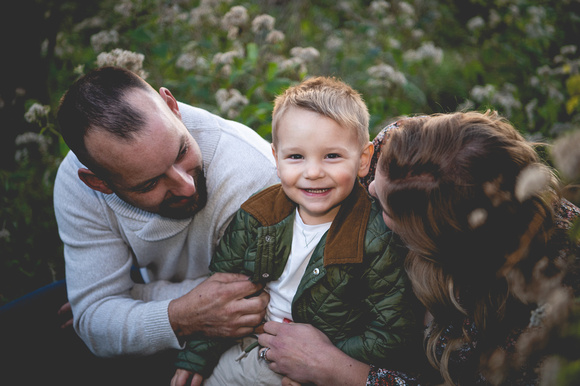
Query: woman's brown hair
[458, 189]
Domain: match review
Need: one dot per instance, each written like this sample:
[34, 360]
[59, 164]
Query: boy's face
[318, 163]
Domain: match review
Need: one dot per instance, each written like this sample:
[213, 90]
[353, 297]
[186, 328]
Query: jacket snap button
[265, 275]
[316, 271]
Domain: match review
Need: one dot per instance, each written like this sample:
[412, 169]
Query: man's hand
[65, 313]
[182, 376]
[220, 306]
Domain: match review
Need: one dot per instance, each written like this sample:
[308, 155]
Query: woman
[475, 207]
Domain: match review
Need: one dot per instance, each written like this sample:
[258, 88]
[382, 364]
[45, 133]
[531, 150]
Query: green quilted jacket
[354, 289]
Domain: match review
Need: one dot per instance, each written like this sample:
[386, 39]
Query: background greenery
[232, 57]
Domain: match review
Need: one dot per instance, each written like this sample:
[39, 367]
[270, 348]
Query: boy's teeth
[316, 190]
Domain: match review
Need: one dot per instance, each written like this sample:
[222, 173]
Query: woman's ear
[94, 182]
[365, 159]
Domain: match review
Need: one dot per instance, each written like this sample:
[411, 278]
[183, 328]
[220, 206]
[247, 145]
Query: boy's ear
[94, 182]
[365, 159]
[275, 159]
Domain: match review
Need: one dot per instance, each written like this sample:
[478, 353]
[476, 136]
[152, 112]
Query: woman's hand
[304, 354]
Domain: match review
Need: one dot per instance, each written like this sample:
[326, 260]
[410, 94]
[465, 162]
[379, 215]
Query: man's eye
[149, 187]
[183, 152]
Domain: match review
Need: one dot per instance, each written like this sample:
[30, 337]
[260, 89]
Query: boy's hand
[181, 377]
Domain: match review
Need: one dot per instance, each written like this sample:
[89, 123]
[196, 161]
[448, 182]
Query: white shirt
[304, 239]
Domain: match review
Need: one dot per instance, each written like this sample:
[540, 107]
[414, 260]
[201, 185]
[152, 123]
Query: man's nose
[182, 182]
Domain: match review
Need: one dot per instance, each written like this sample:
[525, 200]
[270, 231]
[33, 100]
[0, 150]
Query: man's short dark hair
[97, 101]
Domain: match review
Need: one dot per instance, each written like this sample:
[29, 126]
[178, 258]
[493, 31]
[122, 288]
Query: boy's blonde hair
[329, 97]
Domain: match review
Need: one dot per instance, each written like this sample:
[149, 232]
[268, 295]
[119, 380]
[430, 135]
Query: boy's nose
[313, 170]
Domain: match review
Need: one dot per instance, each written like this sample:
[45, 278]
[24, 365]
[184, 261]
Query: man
[152, 183]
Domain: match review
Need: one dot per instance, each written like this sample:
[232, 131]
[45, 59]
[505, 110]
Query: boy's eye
[295, 156]
[333, 155]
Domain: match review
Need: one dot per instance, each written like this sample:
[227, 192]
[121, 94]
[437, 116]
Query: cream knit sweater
[104, 237]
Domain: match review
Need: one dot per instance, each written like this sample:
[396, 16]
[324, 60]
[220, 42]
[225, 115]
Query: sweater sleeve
[107, 316]
[202, 354]
[390, 333]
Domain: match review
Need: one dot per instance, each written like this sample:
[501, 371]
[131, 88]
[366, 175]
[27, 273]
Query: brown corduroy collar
[346, 236]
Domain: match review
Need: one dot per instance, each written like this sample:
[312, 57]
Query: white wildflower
[406, 8]
[102, 39]
[36, 113]
[4, 233]
[132, 61]
[506, 99]
[530, 109]
[568, 50]
[275, 36]
[227, 57]
[466, 105]
[307, 54]
[263, 23]
[494, 18]
[531, 181]
[475, 23]
[230, 101]
[477, 218]
[427, 51]
[127, 8]
[417, 34]
[333, 43]
[90, 23]
[379, 7]
[394, 43]
[188, 61]
[385, 75]
[482, 93]
[237, 16]
[203, 13]
[291, 63]
[34, 138]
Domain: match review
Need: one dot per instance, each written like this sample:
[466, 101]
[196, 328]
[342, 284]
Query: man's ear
[94, 182]
[365, 159]
[170, 101]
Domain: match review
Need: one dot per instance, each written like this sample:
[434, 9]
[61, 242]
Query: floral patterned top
[463, 361]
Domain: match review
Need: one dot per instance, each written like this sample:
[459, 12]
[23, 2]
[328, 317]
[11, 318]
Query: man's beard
[170, 207]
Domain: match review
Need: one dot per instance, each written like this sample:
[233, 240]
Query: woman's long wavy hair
[473, 202]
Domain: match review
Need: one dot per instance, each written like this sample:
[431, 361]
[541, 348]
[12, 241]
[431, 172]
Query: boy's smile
[318, 163]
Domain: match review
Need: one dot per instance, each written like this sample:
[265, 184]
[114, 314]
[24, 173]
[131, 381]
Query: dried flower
[263, 23]
[307, 54]
[36, 113]
[230, 101]
[566, 154]
[275, 36]
[426, 51]
[531, 181]
[102, 39]
[132, 61]
[228, 57]
[477, 218]
[385, 75]
[237, 16]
